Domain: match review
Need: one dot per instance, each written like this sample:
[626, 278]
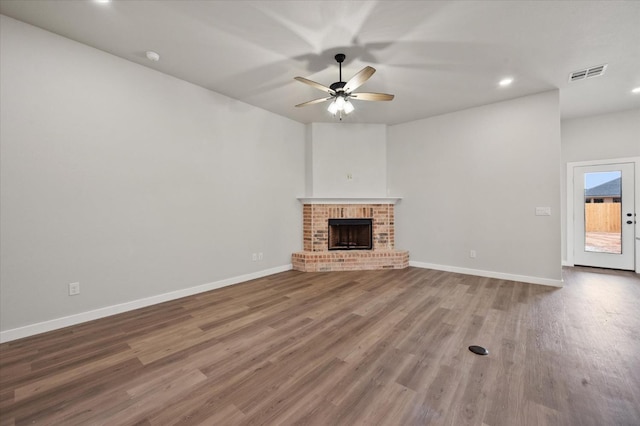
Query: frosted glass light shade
[348, 107]
[333, 108]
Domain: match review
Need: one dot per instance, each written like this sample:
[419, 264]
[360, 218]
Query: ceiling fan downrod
[338, 86]
[340, 57]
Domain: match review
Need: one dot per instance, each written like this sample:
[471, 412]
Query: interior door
[604, 216]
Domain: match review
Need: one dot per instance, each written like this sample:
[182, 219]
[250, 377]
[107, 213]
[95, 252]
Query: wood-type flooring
[345, 348]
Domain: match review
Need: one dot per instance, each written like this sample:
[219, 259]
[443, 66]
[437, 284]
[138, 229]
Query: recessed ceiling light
[505, 82]
[636, 90]
[153, 56]
[102, 1]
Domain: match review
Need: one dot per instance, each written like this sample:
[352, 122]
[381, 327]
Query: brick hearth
[316, 256]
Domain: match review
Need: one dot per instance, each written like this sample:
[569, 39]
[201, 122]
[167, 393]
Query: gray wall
[342, 149]
[131, 182]
[471, 180]
[600, 137]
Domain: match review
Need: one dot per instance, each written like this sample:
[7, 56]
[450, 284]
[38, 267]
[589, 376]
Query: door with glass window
[604, 216]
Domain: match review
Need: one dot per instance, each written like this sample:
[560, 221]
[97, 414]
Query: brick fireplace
[317, 256]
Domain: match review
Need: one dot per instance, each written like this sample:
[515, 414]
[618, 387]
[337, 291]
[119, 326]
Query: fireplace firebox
[350, 234]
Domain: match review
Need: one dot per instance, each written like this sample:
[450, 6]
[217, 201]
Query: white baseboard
[489, 274]
[567, 263]
[55, 324]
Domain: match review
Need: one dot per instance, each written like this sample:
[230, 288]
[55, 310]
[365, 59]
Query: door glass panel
[602, 212]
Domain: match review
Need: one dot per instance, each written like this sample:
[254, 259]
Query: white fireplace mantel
[349, 200]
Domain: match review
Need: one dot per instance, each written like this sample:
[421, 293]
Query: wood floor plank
[57, 379]
[228, 415]
[345, 348]
[89, 393]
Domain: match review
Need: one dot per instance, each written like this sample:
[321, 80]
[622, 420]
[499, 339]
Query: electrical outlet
[74, 289]
[260, 256]
[472, 254]
[349, 176]
[254, 257]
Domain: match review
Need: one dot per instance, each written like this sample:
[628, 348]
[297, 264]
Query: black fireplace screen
[350, 234]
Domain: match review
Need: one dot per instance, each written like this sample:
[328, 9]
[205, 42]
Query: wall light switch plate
[543, 211]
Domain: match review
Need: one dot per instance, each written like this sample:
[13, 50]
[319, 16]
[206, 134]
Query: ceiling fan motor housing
[338, 86]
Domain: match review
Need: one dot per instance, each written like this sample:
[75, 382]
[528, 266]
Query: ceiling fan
[341, 92]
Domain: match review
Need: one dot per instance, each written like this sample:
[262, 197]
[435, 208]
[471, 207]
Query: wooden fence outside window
[602, 217]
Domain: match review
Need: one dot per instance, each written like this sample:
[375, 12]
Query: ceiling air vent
[596, 71]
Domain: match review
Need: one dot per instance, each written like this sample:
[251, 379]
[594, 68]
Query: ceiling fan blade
[315, 101]
[359, 79]
[316, 85]
[372, 96]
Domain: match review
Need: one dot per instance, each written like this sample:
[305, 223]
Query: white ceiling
[436, 57]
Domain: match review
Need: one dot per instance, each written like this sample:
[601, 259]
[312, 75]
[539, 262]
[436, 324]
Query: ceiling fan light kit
[341, 93]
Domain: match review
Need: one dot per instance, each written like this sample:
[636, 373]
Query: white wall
[600, 137]
[131, 182]
[471, 180]
[342, 149]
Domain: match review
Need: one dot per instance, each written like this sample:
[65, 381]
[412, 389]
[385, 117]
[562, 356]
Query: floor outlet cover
[478, 350]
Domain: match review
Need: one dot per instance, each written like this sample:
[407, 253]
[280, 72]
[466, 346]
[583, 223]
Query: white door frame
[570, 208]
